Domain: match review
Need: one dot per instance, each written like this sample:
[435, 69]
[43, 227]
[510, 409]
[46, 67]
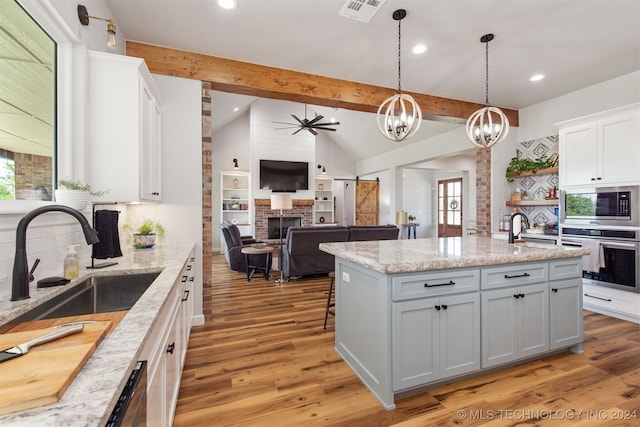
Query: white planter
[143, 241]
[73, 198]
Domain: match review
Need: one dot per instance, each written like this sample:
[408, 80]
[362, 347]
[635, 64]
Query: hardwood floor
[265, 360]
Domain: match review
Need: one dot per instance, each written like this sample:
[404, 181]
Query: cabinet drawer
[565, 269]
[611, 301]
[510, 275]
[438, 283]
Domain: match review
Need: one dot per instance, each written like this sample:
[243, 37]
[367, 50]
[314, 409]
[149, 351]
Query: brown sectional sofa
[301, 256]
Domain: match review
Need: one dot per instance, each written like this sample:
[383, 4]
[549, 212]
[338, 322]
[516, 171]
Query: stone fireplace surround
[302, 208]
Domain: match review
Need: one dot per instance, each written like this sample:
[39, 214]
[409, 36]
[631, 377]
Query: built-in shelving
[235, 200]
[546, 171]
[323, 203]
[545, 202]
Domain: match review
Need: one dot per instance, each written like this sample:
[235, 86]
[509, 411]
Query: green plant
[518, 165]
[148, 227]
[80, 186]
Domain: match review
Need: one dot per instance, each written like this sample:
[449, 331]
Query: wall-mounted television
[284, 176]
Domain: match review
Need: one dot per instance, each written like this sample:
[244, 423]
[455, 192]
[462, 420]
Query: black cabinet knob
[444, 306]
[170, 347]
[554, 289]
[437, 307]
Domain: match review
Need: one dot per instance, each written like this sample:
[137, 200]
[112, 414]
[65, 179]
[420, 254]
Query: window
[27, 106]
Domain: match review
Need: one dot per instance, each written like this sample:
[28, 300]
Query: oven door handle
[618, 245]
[566, 242]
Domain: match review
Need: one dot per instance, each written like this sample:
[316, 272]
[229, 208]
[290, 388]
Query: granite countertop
[94, 391]
[410, 256]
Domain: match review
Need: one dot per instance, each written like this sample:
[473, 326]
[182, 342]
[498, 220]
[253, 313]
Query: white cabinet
[323, 205]
[124, 131]
[601, 149]
[435, 338]
[612, 302]
[514, 323]
[235, 199]
[166, 348]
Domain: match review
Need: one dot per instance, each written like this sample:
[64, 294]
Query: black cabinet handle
[593, 179]
[184, 278]
[444, 306]
[189, 267]
[506, 276]
[170, 347]
[192, 278]
[554, 289]
[186, 297]
[603, 299]
[192, 259]
[521, 295]
[451, 282]
[437, 307]
[516, 296]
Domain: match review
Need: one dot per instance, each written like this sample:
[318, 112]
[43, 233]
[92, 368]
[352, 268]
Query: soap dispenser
[71, 263]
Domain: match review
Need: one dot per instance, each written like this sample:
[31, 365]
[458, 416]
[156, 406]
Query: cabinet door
[577, 155]
[459, 334]
[498, 326]
[150, 158]
[565, 313]
[415, 343]
[619, 149]
[532, 334]
[173, 369]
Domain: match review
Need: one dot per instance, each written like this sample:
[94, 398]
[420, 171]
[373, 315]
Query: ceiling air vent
[361, 10]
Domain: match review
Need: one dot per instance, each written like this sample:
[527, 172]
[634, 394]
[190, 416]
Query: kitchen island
[411, 314]
[160, 318]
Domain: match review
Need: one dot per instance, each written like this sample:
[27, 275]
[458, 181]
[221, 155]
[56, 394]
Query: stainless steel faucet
[526, 225]
[20, 284]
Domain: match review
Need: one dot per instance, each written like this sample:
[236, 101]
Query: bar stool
[328, 311]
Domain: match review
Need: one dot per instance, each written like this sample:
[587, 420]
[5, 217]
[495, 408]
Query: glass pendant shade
[487, 126]
[399, 117]
[111, 35]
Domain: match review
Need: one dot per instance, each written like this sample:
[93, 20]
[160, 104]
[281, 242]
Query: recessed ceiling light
[228, 4]
[536, 77]
[419, 48]
[236, 109]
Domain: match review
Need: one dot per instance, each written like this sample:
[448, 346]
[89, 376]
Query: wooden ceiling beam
[232, 76]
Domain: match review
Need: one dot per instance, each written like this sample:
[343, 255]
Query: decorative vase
[144, 241]
[73, 198]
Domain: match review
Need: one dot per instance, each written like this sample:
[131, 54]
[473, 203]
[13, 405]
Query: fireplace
[273, 224]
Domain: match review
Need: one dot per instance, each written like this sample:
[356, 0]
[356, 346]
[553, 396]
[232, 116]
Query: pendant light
[399, 116]
[489, 125]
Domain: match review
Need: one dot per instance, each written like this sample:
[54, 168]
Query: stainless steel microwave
[612, 206]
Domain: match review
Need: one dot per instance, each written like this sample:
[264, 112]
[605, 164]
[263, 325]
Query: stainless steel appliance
[131, 407]
[604, 206]
[620, 248]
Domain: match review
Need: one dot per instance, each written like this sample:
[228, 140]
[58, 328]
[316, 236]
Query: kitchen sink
[98, 294]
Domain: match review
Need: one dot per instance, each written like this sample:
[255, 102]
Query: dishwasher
[131, 407]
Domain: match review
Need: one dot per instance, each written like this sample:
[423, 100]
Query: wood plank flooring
[265, 360]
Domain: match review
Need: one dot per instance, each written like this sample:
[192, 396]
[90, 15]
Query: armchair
[233, 243]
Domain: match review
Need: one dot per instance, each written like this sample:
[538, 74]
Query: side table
[264, 268]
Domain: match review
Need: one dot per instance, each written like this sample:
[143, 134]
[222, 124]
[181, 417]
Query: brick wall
[301, 208]
[483, 191]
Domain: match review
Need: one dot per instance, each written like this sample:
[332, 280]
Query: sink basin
[98, 294]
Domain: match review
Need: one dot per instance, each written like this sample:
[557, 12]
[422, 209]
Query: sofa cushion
[305, 240]
[359, 233]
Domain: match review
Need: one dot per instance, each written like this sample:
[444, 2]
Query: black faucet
[526, 225]
[20, 284]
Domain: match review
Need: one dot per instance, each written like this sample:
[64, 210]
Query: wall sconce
[324, 171]
[235, 163]
[83, 16]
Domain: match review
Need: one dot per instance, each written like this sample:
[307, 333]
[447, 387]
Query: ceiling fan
[310, 125]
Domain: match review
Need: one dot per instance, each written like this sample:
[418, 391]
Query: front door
[450, 208]
[367, 206]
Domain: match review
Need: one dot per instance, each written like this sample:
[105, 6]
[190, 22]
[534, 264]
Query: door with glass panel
[450, 207]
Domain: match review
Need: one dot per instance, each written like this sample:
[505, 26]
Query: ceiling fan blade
[312, 131]
[298, 120]
[287, 123]
[314, 120]
[299, 129]
[323, 128]
[288, 127]
[326, 124]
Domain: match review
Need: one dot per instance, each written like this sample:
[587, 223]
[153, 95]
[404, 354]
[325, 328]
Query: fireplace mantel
[296, 202]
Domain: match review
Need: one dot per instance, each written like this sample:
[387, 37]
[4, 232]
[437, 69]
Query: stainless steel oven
[619, 252]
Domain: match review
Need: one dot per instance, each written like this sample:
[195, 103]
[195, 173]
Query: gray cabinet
[435, 338]
[514, 323]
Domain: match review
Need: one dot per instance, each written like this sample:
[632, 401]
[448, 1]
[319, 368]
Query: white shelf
[234, 187]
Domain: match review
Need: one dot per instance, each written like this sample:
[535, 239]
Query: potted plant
[145, 234]
[517, 165]
[75, 194]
